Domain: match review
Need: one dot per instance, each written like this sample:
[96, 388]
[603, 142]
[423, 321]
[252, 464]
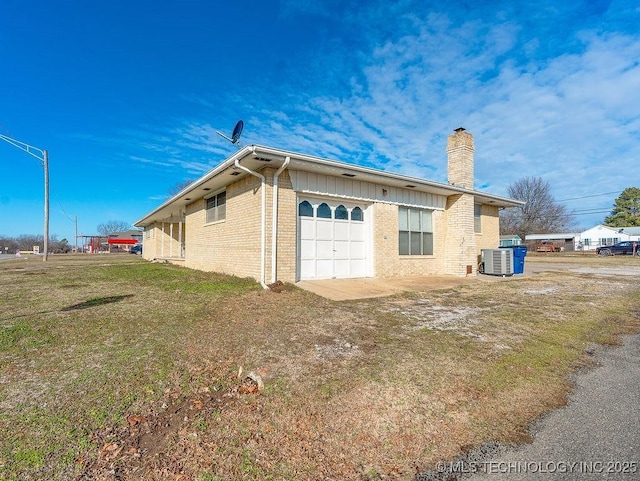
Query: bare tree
[113, 226]
[541, 214]
[26, 242]
[8, 245]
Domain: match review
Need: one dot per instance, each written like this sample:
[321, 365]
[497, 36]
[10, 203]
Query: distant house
[601, 235]
[510, 240]
[563, 241]
[274, 215]
[587, 240]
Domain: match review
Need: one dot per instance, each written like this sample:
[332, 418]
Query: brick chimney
[461, 257]
[460, 158]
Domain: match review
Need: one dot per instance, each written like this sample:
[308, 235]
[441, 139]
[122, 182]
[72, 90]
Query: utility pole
[45, 163]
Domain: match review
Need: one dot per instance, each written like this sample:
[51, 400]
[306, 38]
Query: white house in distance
[588, 240]
[602, 235]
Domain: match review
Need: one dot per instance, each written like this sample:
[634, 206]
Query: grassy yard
[112, 367]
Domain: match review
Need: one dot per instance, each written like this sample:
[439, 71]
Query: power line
[592, 195]
[590, 212]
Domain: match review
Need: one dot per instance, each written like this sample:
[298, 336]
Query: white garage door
[332, 239]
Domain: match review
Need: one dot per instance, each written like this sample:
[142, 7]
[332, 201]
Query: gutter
[263, 223]
[274, 215]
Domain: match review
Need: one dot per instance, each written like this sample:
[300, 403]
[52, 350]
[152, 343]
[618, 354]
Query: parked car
[136, 249]
[547, 246]
[621, 248]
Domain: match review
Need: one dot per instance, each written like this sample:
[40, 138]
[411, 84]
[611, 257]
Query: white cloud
[548, 90]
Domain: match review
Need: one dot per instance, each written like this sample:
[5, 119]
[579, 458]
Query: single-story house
[601, 235]
[274, 215]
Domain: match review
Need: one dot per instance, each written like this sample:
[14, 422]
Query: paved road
[596, 436]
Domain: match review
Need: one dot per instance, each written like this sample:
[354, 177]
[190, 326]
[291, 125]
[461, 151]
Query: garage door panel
[324, 229]
[333, 247]
[358, 267]
[307, 228]
[324, 249]
[358, 231]
[357, 250]
[307, 268]
[341, 230]
[324, 268]
[341, 249]
[307, 249]
[341, 269]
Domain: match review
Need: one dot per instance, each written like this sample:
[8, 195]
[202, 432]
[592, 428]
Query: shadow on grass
[97, 301]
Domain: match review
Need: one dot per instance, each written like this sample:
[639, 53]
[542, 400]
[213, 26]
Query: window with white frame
[217, 207]
[415, 231]
[606, 241]
[477, 218]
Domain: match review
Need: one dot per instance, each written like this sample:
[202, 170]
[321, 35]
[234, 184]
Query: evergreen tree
[626, 210]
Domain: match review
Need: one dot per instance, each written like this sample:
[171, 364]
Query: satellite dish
[237, 132]
[235, 136]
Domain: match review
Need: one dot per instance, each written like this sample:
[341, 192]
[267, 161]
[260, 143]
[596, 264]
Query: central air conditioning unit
[497, 262]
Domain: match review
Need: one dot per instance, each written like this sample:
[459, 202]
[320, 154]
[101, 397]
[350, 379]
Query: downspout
[274, 225]
[263, 223]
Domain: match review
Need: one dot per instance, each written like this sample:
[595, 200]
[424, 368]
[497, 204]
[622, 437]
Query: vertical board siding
[320, 184]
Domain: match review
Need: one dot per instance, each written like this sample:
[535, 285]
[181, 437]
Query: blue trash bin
[519, 253]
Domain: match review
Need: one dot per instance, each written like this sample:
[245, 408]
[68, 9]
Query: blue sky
[127, 96]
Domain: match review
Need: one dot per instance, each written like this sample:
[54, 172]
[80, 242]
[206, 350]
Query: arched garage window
[305, 209]
[324, 211]
[356, 214]
[342, 213]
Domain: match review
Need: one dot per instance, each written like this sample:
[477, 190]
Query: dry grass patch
[115, 368]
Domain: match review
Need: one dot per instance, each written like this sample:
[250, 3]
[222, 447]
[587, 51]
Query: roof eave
[320, 165]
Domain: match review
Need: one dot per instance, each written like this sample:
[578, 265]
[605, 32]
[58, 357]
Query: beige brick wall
[287, 229]
[460, 251]
[231, 246]
[455, 244]
[489, 237]
[387, 262]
